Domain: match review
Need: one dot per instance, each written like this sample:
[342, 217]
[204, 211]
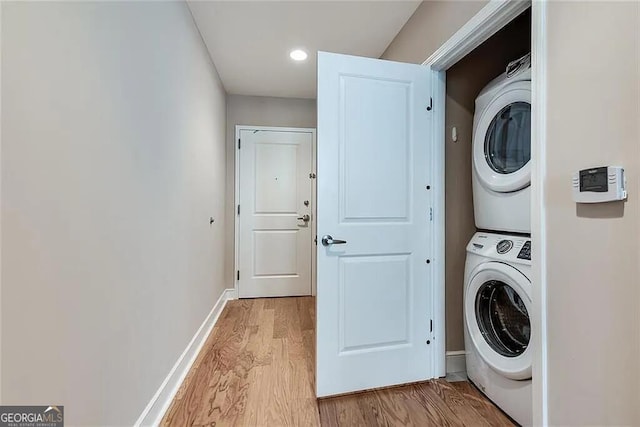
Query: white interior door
[373, 289]
[275, 213]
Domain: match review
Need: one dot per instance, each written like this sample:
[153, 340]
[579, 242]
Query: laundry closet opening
[465, 81]
[487, 170]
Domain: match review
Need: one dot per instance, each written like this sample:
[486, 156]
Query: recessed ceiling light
[298, 55]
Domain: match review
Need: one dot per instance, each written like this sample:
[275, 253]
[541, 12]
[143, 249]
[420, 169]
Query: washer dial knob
[504, 246]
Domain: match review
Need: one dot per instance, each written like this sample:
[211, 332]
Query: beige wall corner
[432, 24]
[593, 291]
[256, 111]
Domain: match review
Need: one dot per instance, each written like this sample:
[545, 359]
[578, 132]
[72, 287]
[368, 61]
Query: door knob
[304, 218]
[328, 240]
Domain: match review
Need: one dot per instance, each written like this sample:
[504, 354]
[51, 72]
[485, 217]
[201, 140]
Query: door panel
[279, 194]
[363, 280]
[280, 262]
[368, 193]
[274, 245]
[373, 306]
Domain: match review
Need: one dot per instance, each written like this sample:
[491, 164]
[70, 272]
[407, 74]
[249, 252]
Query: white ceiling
[250, 41]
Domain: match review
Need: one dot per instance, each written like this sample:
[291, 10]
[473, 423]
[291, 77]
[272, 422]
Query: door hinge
[238, 209]
[238, 143]
[430, 214]
[238, 275]
[315, 240]
[430, 107]
[431, 325]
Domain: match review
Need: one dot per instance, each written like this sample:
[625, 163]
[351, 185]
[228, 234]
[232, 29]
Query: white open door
[374, 224]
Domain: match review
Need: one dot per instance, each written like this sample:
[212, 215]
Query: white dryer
[497, 304]
[502, 150]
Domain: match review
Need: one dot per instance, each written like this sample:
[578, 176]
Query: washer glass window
[507, 144]
[503, 318]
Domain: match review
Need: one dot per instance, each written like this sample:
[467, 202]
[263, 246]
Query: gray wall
[256, 111]
[113, 159]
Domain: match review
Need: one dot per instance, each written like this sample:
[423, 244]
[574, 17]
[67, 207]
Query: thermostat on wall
[599, 185]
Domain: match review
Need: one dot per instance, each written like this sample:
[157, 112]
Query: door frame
[236, 199]
[491, 18]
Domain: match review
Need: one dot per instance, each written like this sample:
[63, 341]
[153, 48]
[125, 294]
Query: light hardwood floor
[257, 369]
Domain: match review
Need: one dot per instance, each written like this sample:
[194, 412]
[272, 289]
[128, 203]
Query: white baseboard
[456, 361]
[155, 410]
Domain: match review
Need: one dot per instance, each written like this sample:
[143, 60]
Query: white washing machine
[497, 303]
[502, 150]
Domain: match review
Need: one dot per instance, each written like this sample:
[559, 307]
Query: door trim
[236, 198]
[491, 18]
[488, 21]
[438, 297]
[538, 211]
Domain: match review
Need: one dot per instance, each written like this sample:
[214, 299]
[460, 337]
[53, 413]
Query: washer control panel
[525, 252]
[504, 246]
[508, 248]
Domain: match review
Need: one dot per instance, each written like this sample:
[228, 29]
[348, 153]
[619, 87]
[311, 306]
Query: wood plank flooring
[257, 369]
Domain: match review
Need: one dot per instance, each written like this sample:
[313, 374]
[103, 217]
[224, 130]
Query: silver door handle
[328, 240]
[304, 218]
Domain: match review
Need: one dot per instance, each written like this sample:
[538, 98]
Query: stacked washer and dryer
[497, 293]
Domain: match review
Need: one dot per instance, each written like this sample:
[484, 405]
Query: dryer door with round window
[502, 142]
[497, 307]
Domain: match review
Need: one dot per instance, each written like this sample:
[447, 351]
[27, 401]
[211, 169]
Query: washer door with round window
[502, 141]
[497, 305]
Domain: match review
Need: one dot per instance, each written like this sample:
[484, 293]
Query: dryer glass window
[503, 318]
[507, 144]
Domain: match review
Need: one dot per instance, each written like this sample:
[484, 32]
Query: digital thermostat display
[599, 185]
[594, 180]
